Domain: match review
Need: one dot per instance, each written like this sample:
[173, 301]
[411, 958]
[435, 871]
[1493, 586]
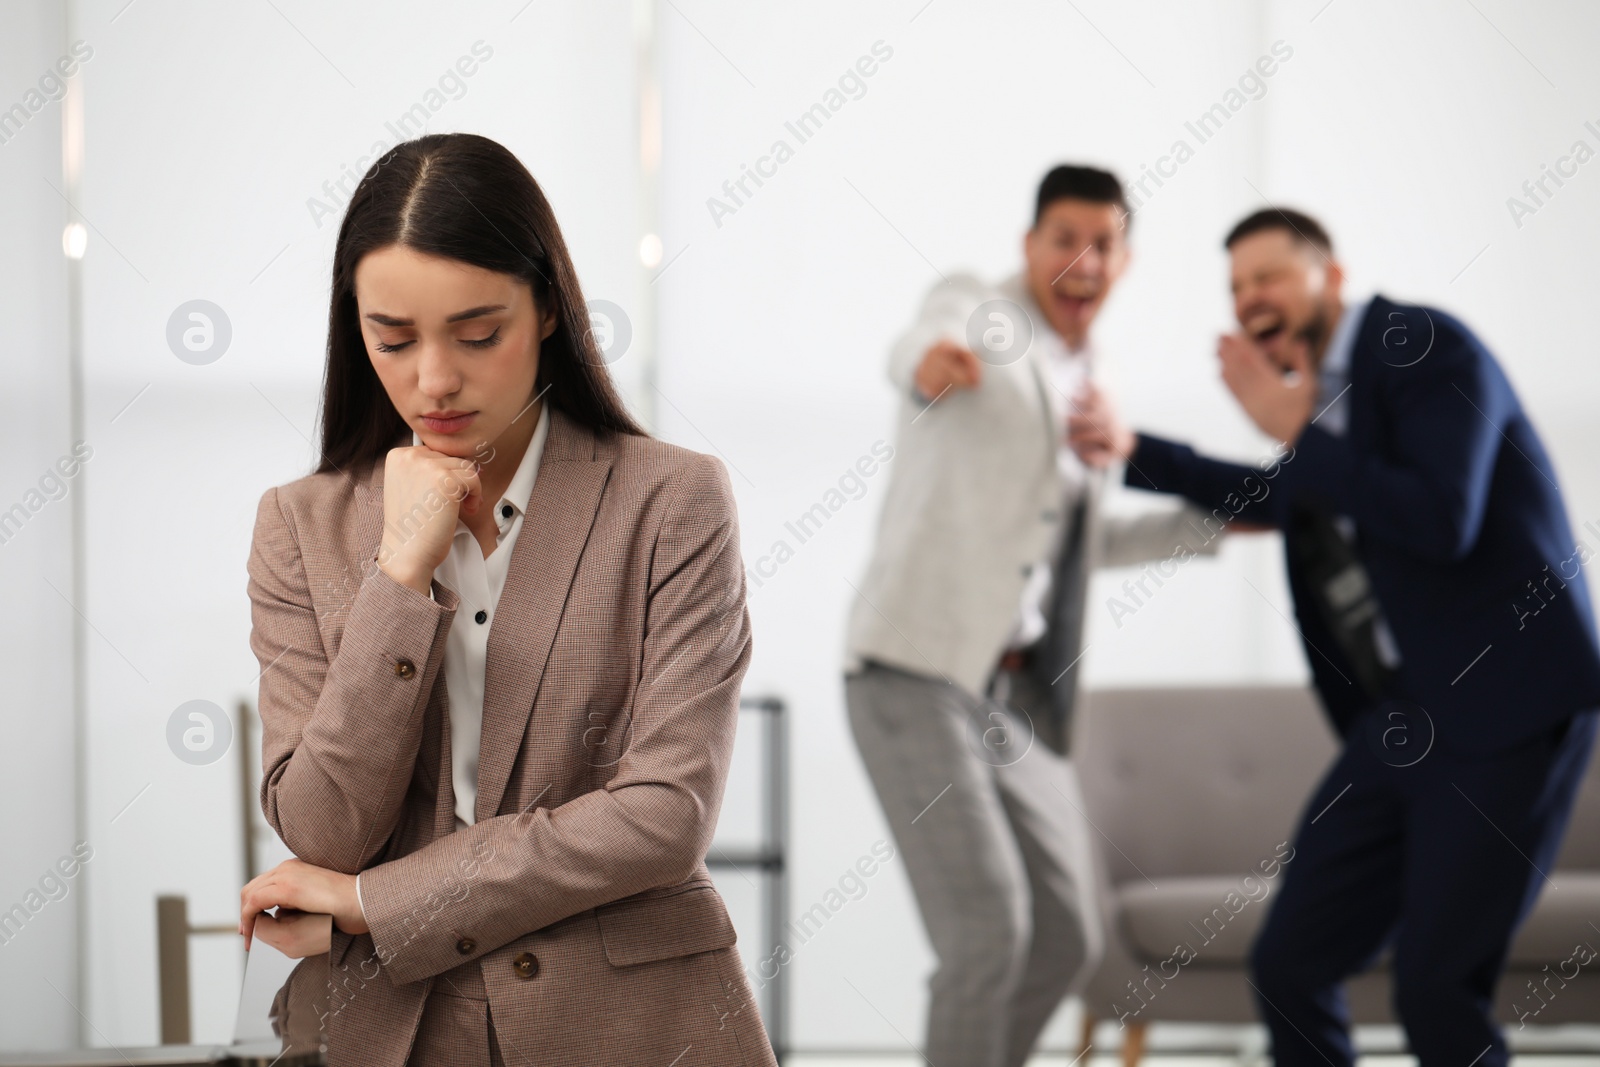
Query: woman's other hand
[298, 885]
[424, 494]
[296, 934]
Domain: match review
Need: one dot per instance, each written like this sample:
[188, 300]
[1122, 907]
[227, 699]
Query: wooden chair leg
[1133, 1044]
[1088, 1033]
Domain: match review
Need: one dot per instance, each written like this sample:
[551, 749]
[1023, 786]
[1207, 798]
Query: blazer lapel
[1367, 346]
[1050, 404]
[561, 511]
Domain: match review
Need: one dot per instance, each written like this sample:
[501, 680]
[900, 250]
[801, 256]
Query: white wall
[38, 948]
[209, 127]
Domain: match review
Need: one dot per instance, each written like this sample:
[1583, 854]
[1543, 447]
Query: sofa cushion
[1217, 919]
[1562, 920]
[1200, 781]
[1201, 921]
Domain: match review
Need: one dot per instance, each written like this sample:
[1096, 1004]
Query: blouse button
[526, 965]
[466, 946]
[505, 511]
[404, 668]
[481, 617]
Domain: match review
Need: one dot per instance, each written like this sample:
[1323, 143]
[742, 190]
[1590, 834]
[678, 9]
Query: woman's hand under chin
[297, 886]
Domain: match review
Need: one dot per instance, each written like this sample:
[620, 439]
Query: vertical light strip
[647, 205]
[1261, 128]
[1268, 565]
[72, 186]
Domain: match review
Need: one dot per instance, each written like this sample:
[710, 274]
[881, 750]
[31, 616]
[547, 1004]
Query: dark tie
[1340, 592]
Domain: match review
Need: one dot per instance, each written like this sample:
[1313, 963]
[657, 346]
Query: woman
[501, 633]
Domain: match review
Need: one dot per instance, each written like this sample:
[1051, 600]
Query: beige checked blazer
[580, 895]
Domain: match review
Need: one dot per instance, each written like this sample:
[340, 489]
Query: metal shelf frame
[771, 858]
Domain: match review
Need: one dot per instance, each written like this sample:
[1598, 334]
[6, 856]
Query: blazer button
[526, 965]
[466, 946]
[404, 668]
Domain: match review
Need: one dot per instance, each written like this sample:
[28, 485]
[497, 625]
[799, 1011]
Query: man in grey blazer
[965, 637]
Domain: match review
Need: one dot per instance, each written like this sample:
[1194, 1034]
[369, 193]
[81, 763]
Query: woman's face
[455, 346]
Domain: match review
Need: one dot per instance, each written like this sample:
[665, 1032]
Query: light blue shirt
[1333, 416]
[1333, 376]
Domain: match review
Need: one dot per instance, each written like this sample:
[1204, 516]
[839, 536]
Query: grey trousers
[990, 825]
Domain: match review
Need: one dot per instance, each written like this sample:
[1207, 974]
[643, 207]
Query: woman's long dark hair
[466, 198]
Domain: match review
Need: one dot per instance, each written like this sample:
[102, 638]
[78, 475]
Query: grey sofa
[1193, 791]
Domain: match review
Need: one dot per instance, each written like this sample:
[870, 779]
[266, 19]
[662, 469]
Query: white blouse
[478, 581]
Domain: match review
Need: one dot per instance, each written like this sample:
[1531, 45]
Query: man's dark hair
[1297, 224]
[1081, 183]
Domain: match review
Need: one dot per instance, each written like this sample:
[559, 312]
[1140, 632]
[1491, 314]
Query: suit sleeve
[339, 737]
[1128, 540]
[652, 823]
[1221, 491]
[944, 314]
[1428, 492]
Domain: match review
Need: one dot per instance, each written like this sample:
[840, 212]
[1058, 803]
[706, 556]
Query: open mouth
[1075, 296]
[1264, 325]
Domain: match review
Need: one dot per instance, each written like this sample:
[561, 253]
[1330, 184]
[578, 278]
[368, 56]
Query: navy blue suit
[1474, 753]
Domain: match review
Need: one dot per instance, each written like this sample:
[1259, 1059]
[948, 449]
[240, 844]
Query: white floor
[1233, 1046]
[1159, 1059]
[1162, 1060]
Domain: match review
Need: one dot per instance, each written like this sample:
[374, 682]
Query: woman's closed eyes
[483, 342]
